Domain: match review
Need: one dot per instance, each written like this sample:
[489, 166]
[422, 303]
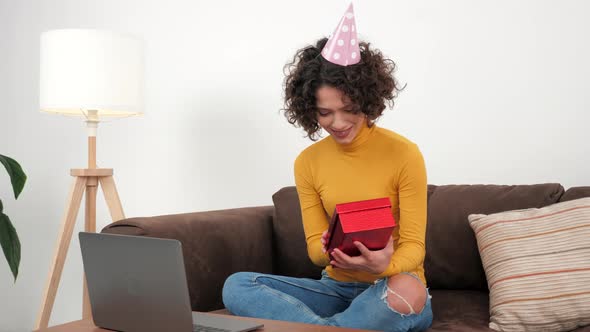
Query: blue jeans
[324, 302]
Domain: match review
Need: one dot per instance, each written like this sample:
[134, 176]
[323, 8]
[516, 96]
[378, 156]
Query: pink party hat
[342, 48]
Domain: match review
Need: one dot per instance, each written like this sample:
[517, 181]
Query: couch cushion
[452, 259]
[575, 193]
[291, 257]
[460, 311]
[537, 263]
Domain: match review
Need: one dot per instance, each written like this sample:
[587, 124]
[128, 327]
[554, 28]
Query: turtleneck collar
[361, 138]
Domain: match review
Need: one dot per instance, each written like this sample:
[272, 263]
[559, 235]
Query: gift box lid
[365, 215]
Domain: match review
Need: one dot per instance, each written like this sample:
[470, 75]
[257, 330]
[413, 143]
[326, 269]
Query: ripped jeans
[324, 302]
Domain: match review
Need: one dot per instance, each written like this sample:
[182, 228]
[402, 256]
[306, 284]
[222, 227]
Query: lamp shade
[85, 69]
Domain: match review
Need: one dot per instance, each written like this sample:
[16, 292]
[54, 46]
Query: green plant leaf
[17, 176]
[10, 243]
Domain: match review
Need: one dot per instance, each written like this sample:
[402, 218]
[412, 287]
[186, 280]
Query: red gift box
[369, 222]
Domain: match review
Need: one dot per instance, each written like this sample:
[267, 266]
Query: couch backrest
[575, 193]
[452, 258]
[289, 244]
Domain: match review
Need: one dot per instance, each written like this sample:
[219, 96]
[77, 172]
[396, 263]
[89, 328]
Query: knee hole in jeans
[405, 294]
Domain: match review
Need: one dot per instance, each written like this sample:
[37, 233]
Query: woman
[378, 290]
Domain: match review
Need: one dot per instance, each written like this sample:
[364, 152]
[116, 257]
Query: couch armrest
[215, 244]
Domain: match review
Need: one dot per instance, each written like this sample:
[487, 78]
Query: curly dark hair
[369, 84]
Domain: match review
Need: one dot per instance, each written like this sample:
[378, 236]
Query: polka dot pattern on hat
[342, 47]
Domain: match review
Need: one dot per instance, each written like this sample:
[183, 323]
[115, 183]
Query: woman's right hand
[324, 240]
[375, 261]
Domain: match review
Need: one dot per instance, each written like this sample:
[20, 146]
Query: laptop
[138, 283]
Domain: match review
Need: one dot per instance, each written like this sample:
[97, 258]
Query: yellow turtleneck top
[377, 163]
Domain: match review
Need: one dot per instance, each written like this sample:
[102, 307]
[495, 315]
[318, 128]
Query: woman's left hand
[375, 262]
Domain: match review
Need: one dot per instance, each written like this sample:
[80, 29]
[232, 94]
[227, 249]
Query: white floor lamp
[93, 74]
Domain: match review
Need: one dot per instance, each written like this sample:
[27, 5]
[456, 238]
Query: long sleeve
[412, 188]
[315, 221]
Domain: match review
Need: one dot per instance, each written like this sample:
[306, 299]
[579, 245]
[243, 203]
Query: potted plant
[8, 236]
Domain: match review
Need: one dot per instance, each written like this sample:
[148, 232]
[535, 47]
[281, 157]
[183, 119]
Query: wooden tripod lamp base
[85, 180]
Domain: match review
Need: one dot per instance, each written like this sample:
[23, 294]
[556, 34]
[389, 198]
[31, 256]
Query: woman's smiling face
[335, 115]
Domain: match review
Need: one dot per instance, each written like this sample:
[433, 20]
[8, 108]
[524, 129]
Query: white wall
[496, 94]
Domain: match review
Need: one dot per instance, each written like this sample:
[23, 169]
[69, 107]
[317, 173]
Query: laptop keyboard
[202, 328]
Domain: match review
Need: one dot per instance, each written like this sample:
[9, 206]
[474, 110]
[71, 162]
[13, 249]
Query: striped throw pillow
[537, 264]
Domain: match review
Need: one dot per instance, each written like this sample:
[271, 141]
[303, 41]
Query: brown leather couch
[270, 239]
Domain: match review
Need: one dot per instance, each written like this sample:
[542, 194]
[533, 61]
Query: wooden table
[269, 326]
